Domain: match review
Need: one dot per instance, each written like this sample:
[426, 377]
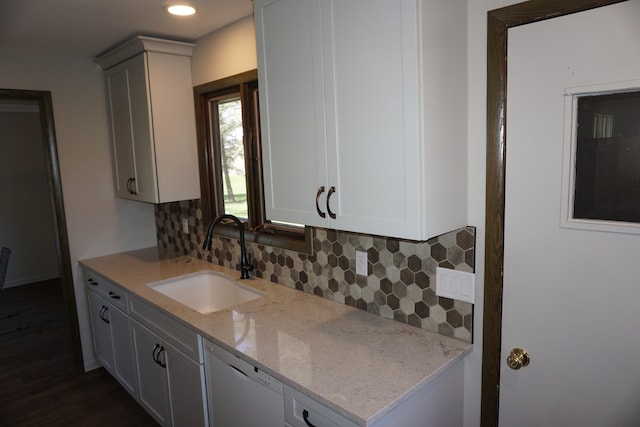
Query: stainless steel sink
[206, 291]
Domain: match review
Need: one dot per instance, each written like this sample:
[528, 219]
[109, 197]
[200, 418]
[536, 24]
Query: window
[227, 117]
[601, 158]
[607, 168]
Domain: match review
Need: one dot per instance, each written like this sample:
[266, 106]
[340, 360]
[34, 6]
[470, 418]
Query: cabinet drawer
[107, 289]
[184, 339]
[297, 407]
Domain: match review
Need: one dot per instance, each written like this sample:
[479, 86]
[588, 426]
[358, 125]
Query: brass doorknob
[518, 358]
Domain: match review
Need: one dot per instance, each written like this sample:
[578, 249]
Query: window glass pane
[607, 168]
[234, 179]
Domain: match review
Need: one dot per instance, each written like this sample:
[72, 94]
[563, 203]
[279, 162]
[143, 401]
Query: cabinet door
[124, 358]
[291, 108]
[131, 128]
[102, 343]
[173, 127]
[373, 143]
[141, 129]
[118, 87]
[172, 387]
[186, 389]
[152, 376]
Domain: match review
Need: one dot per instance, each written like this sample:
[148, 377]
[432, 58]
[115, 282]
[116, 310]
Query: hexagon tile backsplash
[400, 281]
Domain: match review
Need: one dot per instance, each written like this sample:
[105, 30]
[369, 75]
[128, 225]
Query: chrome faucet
[245, 265]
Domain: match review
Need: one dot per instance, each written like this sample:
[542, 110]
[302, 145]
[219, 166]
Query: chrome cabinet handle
[329, 194]
[318, 194]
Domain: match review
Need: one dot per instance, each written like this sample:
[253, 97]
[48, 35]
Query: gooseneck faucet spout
[245, 265]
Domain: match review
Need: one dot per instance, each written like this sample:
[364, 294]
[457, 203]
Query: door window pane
[607, 164]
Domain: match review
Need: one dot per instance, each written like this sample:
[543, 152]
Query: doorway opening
[43, 101]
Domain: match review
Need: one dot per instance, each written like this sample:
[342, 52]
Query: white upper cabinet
[363, 109]
[153, 120]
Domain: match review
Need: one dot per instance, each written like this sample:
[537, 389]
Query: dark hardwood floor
[38, 383]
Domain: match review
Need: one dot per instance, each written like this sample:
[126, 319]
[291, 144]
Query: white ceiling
[90, 27]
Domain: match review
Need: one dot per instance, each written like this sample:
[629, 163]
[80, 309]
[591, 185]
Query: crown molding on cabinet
[138, 44]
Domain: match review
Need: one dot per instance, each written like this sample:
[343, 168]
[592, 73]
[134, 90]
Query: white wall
[477, 60]
[97, 222]
[223, 53]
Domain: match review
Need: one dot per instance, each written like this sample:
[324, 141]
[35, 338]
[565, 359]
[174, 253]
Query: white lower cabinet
[112, 335]
[302, 411]
[438, 404]
[184, 380]
[102, 341]
[155, 358]
[170, 366]
[154, 389]
[171, 384]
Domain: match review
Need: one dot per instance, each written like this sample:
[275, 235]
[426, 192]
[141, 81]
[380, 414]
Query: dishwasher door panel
[239, 394]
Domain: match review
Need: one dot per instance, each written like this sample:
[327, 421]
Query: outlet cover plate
[455, 284]
[361, 263]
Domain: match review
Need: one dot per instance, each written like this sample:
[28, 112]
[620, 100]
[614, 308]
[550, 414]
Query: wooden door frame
[498, 23]
[45, 106]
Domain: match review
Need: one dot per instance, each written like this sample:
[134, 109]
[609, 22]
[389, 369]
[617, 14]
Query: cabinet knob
[318, 194]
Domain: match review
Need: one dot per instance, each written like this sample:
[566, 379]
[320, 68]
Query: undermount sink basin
[205, 291]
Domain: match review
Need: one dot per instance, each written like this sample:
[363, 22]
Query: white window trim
[567, 220]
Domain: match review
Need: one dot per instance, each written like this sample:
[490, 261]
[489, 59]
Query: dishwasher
[240, 394]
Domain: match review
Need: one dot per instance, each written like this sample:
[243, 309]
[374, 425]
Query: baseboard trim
[90, 365]
[32, 279]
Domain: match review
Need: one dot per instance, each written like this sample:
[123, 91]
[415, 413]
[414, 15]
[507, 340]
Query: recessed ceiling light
[181, 10]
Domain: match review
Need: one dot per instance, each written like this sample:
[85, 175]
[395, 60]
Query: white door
[571, 296]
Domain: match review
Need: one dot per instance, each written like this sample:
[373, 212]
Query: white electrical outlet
[361, 263]
[185, 225]
[455, 284]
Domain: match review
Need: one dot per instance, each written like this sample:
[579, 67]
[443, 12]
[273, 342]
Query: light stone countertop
[356, 363]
